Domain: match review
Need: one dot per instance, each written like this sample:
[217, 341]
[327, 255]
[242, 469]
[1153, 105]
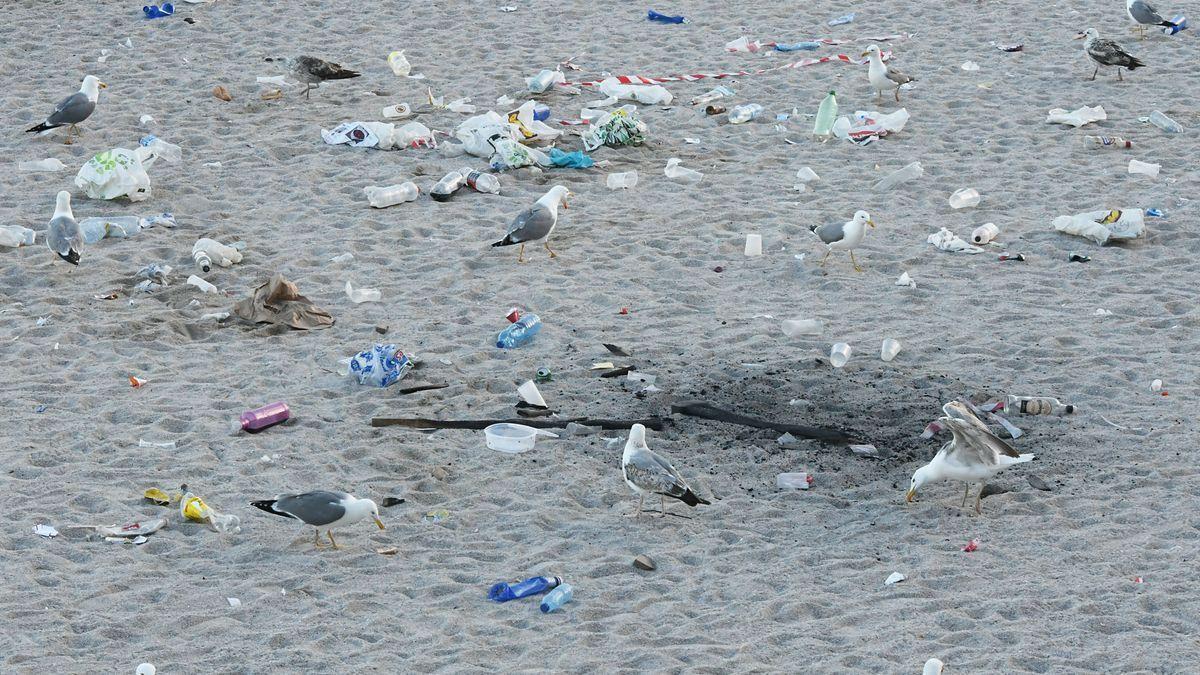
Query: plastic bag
[620, 127]
[1100, 226]
[1077, 118]
[360, 134]
[413, 135]
[571, 160]
[476, 132]
[529, 128]
[118, 173]
[655, 94]
[510, 154]
[868, 125]
[380, 365]
[945, 240]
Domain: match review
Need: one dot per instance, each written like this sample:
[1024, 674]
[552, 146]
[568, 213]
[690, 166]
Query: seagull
[1107, 53]
[313, 71]
[63, 236]
[535, 223]
[884, 77]
[974, 455]
[844, 237]
[73, 109]
[322, 509]
[647, 471]
[1144, 15]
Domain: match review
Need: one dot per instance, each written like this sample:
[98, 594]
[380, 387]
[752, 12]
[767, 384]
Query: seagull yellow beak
[871, 222]
[103, 86]
[564, 200]
[908, 496]
[379, 522]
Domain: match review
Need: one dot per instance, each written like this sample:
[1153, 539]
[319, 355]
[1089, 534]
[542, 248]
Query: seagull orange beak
[908, 496]
[871, 222]
[379, 522]
[103, 86]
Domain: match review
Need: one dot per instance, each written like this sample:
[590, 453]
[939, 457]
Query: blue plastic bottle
[557, 598]
[664, 18]
[519, 333]
[503, 592]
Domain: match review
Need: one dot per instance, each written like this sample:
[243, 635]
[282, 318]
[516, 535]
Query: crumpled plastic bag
[868, 126]
[570, 160]
[945, 240]
[654, 94]
[380, 365]
[510, 154]
[476, 133]
[529, 129]
[1077, 118]
[620, 127]
[279, 302]
[413, 135]
[1101, 226]
[360, 134]
[118, 173]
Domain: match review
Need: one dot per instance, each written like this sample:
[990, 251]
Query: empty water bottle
[712, 95]
[447, 186]
[826, 114]
[481, 182]
[521, 332]
[744, 113]
[399, 63]
[1165, 123]
[1036, 405]
[503, 592]
[557, 598]
[964, 198]
[15, 235]
[383, 197]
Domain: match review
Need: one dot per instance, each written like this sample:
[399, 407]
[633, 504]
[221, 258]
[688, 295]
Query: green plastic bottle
[826, 114]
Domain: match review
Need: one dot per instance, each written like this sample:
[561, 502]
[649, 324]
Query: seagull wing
[315, 508]
[898, 76]
[1142, 12]
[652, 472]
[1109, 53]
[532, 224]
[72, 110]
[830, 233]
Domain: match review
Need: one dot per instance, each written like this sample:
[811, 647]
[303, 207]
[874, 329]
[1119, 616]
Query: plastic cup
[796, 327]
[530, 394]
[964, 198]
[890, 349]
[617, 181]
[1144, 168]
[792, 481]
[753, 244]
[839, 354]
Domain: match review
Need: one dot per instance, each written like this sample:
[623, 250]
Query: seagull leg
[1094, 73]
[552, 253]
[855, 262]
[897, 94]
[641, 499]
[70, 128]
[1119, 78]
[966, 493]
[662, 506]
[330, 533]
[521, 254]
[979, 498]
[827, 252]
[317, 539]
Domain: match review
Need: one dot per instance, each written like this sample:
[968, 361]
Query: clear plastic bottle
[557, 598]
[447, 186]
[400, 65]
[1036, 405]
[909, 172]
[617, 181]
[744, 113]
[51, 164]
[521, 332]
[1165, 123]
[383, 197]
[94, 229]
[15, 235]
[1109, 141]
[826, 115]
[503, 591]
[481, 182]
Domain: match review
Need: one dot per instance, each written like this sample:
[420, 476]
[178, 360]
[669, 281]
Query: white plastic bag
[117, 173]
[1077, 118]
[360, 135]
[945, 240]
[475, 132]
[1100, 226]
[655, 94]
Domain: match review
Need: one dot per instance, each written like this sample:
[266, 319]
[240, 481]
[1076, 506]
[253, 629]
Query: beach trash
[513, 438]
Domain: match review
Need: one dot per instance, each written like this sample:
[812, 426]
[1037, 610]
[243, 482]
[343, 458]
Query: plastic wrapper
[1077, 118]
[620, 127]
[476, 133]
[1102, 226]
[571, 160]
[509, 154]
[120, 172]
[945, 240]
[648, 94]
[380, 365]
[530, 129]
[193, 508]
[868, 126]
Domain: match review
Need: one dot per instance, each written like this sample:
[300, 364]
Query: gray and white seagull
[844, 237]
[647, 472]
[534, 224]
[323, 509]
[73, 109]
[1145, 15]
[1106, 53]
[63, 236]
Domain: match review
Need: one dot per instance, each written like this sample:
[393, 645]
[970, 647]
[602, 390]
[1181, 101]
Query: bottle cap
[514, 315]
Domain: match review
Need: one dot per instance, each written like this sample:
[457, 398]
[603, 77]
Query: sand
[763, 580]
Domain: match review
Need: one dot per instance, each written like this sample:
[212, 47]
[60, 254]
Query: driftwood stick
[655, 423]
[710, 412]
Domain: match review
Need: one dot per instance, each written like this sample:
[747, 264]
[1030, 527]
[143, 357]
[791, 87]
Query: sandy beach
[1096, 574]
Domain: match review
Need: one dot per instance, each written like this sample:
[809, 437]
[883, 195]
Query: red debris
[971, 546]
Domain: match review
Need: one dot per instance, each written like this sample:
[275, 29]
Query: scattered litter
[868, 126]
[645, 562]
[361, 295]
[793, 481]
[908, 173]
[984, 234]
[168, 445]
[841, 20]
[1101, 226]
[437, 516]
[803, 177]
[45, 531]
[945, 240]
[279, 302]
[234, 602]
[894, 578]
[1077, 118]
[1011, 48]
[381, 365]
[222, 93]
[906, 280]
[50, 164]
[391, 550]
[1144, 168]
[786, 439]
[664, 18]
[971, 546]
[136, 529]
[970, 66]
[1156, 386]
[203, 285]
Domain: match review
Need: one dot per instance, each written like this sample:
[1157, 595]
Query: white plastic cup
[530, 394]
[984, 233]
[1156, 386]
[792, 481]
[1144, 168]
[753, 244]
[890, 349]
[964, 198]
[839, 354]
[796, 327]
[617, 181]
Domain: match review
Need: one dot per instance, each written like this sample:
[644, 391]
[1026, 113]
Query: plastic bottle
[795, 328]
[503, 592]
[1036, 405]
[203, 261]
[15, 235]
[744, 113]
[909, 172]
[203, 285]
[1165, 123]
[557, 598]
[521, 332]
[447, 186]
[712, 95]
[161, 148]
[51, 164]
[383, 197]
[481, 182]
[826, 114]
[984, 234]
[681, 174]
[400, 65]
[664, 18]
[261, 418]
[617, 181]
[1109, 141]
[94, 229]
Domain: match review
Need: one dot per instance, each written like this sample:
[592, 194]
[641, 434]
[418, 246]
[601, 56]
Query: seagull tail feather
[1134, 63]
[72, 257]
[506, 241]
[812, 228]
[44, 126]
[691, 498]
[268, 505]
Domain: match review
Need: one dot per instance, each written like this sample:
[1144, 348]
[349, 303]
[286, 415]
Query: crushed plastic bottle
[1109, 141]
[487, 183]
[744, 113]
[521, 332]
[203, 285]
[680, 174]
[557, 598]
[1165, 123]
[383, 197]
[712, 95]
[447, 186]
[503, 591]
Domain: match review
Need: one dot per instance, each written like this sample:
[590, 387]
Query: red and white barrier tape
[641, 79]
